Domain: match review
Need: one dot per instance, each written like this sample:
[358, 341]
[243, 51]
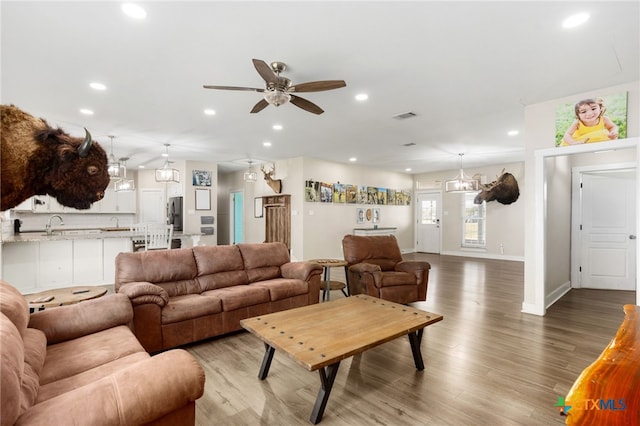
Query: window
[428, 212]
[474, 222]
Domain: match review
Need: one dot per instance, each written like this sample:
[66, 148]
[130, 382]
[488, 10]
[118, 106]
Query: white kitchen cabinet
[111, 248]
[19, 269]
[87, 262]
[25, 206]
[55, 264]
[117, 202]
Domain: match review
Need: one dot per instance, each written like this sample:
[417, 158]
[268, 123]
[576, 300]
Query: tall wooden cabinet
[277, 213]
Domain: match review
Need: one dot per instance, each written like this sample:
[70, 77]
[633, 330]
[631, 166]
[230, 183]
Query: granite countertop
[80, 234]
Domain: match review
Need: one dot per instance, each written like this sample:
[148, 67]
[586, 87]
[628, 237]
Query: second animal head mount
[275, 184]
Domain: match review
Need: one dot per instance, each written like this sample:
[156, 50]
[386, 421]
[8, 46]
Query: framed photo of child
[589, 120]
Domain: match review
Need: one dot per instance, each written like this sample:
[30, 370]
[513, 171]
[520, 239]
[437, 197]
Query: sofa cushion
[98, 348]
[190, 306]
[387, 279]
[262, 261]
[240, 296]
[282, 288]
[219, 266]
[61, 386]
[174, 270]
[35, 351]
[14, 306]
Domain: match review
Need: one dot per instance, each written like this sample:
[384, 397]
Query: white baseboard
[483, 255]
[530, 308]
[556, 294]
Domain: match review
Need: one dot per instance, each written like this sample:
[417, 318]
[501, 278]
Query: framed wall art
[201, 178]
[203, 199]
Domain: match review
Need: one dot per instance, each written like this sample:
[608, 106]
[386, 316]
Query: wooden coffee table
[63, 296]
[319, 336]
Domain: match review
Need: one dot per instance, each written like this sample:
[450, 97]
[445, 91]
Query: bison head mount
[38, 159]
[503, 190]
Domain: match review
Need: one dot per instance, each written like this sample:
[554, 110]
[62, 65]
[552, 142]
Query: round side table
[327, 284]
[62, 296]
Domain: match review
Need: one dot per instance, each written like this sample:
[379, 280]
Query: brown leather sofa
[82, 365]
[375, 267]
[184, 295]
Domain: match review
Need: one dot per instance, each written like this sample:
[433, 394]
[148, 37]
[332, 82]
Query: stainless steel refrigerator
[175, 213]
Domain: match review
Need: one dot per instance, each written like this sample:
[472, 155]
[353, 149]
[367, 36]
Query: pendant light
[167, 173]
[250, 175]
[124, 184]
[113, 167]
[462, 183]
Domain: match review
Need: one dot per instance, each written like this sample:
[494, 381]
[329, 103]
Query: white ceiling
[467, 69]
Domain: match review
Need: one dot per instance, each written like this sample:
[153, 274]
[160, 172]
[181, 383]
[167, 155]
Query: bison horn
[84, 148]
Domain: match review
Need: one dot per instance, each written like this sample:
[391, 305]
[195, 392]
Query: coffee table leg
[415, 339]
[266, 361]
[326, 381]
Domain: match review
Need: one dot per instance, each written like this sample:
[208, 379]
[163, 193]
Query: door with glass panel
[428, 222]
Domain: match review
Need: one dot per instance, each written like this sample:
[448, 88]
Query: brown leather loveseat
[184, 295]
[375, 267]
[82, 365]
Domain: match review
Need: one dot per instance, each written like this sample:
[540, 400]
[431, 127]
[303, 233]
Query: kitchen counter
[85, 234]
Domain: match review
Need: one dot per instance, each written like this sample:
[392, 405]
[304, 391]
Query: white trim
[540, 209]
[556, 294]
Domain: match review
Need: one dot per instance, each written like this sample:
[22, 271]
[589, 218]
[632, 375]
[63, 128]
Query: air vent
[405, 115]
[409, 144]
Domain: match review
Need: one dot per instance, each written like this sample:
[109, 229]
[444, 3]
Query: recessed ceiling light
[97, 86]
[86, 111]
[575, 20]
[209, 112]
[362, 97]
[141, 166]
[134, 11]
[408, 169]
[277, 127]
[266, 143]
[512, 132]
[353, 159]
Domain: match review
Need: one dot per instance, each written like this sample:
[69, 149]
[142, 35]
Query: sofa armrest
[300, 270]
[412, 266]
[141, 293]
[73, 321]
[362, 268]
[135, 395]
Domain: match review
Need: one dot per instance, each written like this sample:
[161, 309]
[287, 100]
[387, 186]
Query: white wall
[540, 135]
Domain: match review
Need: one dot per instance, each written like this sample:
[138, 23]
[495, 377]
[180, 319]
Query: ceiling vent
[405, 115]
[409, 144]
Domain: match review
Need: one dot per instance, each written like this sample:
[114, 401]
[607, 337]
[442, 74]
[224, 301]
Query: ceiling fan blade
[306, 105]
[262, 104]
[318, 86]
[265, 71]
[250, 89]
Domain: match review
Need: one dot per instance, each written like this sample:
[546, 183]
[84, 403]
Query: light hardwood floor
[486, 363]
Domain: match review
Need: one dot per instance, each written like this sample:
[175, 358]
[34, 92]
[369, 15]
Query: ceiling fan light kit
[279, 90]
[462, 183]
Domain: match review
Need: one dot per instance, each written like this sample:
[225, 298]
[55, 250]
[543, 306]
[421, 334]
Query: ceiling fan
[279, 90]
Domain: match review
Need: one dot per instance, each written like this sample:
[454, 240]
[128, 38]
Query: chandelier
[250, 175]
[462, 182]
[167, 173]
[124, 184]
[113, 167]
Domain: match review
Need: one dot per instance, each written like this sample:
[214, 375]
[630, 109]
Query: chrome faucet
[114, 217]
[48, 226]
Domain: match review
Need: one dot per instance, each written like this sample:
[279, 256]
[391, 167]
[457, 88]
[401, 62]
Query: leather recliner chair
[375, 268]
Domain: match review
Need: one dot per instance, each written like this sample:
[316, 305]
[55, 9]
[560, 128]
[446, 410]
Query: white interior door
[428, 222]
[608, 244]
